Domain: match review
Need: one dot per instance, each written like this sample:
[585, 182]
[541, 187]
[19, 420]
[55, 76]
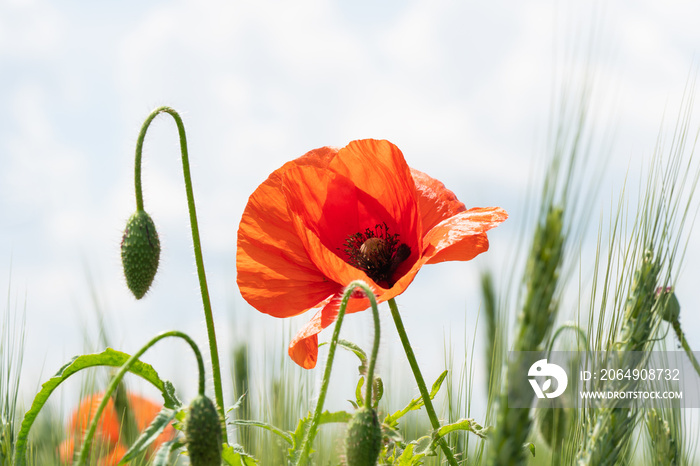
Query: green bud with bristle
[140, 253]
[363, 439]
[203, 433]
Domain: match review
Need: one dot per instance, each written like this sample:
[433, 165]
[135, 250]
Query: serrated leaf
[108, 357]
[469, 425]
[392, 419]
[150, 433]
[416, 403]
[163, 456]
[409, 458]
[234, 455]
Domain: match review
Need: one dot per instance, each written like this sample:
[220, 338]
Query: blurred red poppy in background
[107, 436]
[337, 215]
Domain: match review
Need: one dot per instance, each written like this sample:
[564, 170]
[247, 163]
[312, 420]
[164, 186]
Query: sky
[464, 89]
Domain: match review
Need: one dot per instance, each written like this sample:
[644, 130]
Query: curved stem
[208, 315]
[87, 441]
[419, 379]
[311, 432]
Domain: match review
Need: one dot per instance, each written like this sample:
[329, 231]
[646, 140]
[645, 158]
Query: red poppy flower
[337, 215]
[108, 428]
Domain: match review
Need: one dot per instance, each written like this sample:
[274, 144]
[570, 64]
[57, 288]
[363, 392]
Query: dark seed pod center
[377, 253]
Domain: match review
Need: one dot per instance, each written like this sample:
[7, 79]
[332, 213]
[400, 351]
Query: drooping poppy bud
[140, 253]
[363, 439]
[203, 433]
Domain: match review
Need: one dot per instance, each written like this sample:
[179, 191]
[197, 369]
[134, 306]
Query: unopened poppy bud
[203, 433]
[140, 253]
[670, 307]
[363, 439]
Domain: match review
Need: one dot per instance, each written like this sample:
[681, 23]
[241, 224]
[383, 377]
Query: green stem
[87, 441]
[419, 379]
[375, 349]
[684, 343]
[208, 315]
[311, 432]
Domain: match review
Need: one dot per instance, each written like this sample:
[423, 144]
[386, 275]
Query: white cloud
[31, 30]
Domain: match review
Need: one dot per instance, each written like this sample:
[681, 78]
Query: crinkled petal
[435, 202]
[463, 236]
[275, 274]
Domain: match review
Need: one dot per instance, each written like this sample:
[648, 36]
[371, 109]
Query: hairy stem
[419, 379]
[208, 315]
[375, 351]
[311, 432]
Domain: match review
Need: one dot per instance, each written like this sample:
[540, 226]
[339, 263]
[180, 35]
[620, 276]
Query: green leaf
[358, 392]
[237, 404]
[378, 392]
[392, 419]
[298, 435]
[285, 435]
[437, 384]
[359, 352]
[151, 432]
[416, 403]
[469, 425]
[408, 458]
[234, 455]
[164, 455]
[108, 357]
[179, 422]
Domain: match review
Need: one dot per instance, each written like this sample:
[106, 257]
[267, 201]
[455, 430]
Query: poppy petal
[378, 168]
[304, 346]
[108, 426]
[463, 236]
[435, 202]
[325, 209]
[275, 274]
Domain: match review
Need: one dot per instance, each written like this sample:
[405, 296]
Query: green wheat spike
[535, 320]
